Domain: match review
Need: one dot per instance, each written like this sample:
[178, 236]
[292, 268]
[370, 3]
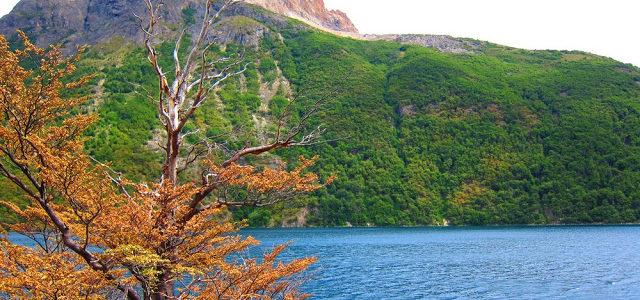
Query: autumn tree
[100, 235]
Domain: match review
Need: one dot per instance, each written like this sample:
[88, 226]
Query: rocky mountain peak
[72, 22]
[313, 12]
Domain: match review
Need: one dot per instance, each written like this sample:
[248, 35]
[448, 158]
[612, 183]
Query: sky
[6, 6]
[604, 27]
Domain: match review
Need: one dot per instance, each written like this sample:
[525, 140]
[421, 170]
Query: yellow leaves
[28, 46]
[13, 207]
[32, 99]
[147, 233]
[75, 84]
[25, 273]
[252, 280]
[35, 218]
[201, 250]
[30, 102]
[270, 180]
[143, 261]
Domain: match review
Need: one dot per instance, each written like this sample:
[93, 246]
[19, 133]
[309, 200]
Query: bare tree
[197, 77]
[150, 235]
[198, 74]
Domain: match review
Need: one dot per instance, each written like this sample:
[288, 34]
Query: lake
[563, 262]
[584, 262]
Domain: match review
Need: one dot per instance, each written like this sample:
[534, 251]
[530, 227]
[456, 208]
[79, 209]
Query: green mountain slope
[498, 136]
[505, 136]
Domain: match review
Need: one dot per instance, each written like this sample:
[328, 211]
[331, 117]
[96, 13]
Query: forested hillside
[495, 136]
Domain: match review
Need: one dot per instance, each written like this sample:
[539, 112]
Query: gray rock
[78, 22]
[443, 43]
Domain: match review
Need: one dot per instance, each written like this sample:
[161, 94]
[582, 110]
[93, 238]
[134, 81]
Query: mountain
[441, 130]
[73, 21]
[312, 12]
[77, 22]
[93, 21]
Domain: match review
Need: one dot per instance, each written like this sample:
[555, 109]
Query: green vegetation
[502, 136]
[499, 137]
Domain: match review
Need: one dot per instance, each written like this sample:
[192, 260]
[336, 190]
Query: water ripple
[461, 263]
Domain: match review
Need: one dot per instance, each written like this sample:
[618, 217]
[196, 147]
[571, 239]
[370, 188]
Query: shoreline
[457, 226]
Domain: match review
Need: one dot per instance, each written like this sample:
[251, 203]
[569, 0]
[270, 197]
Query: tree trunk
[165, 289]
[170, 168]
[166, 292]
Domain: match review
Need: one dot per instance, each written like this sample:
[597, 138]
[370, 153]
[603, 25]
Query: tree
[100, 235]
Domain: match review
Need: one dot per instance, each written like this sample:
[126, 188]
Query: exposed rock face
[242, 30]
[39, 18]
[73, 22]
[81, 21]
[443, 43]
[310, 11]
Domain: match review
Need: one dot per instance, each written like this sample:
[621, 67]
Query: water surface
[575, 262]
[585, 262]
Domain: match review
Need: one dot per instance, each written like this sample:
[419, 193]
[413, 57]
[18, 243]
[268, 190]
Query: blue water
[465, 263]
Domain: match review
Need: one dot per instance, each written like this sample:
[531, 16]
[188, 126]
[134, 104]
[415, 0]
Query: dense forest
[420, 137]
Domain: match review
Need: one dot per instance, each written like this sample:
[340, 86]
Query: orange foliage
[266, 187]
[102, 237]
[28, 273]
